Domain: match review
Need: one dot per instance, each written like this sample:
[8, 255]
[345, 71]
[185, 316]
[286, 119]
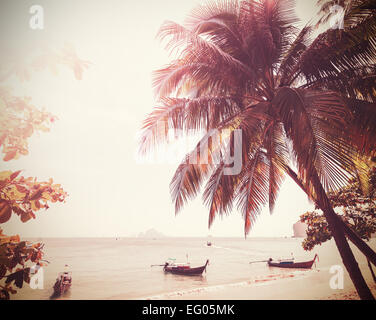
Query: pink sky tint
[90, 150]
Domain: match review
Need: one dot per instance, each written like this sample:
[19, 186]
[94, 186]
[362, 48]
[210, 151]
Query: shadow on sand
[56, 296]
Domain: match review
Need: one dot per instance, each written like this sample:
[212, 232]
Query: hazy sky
[91, 149]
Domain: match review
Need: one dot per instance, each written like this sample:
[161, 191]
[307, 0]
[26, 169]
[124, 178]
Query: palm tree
[359, 28]
[354, 10]
[246, 66]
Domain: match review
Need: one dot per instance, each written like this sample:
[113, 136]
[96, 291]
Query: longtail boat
[184, 269]
[292, 264]
[63, 283]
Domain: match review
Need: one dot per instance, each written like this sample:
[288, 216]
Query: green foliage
[24, 196]
[317, 231]
[14, 254]
[19, 195]
[358, 212]
[19, 119]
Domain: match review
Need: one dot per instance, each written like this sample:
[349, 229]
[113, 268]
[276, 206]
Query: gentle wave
[255, 282]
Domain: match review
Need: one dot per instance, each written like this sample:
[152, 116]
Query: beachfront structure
[300, 229]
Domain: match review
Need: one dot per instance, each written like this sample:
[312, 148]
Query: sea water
[120, 268]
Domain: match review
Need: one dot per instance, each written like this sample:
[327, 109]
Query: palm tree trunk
[370, 268]
[359, 243]
[352, 236]
[338, 233]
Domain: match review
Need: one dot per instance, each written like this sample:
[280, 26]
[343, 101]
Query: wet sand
[294, 285]
[313, 287]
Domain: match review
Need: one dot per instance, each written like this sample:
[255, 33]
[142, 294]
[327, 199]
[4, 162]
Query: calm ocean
[110, 268]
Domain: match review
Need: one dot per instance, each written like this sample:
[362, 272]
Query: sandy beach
[291, 285]
[314, 287]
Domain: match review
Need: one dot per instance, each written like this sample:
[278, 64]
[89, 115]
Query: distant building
[300, 229]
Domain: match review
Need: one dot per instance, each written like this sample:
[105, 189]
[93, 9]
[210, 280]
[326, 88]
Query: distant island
[150, 234]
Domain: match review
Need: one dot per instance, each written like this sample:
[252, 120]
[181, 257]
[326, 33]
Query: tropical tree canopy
[358, 212]
[244, 65]
[19, 195]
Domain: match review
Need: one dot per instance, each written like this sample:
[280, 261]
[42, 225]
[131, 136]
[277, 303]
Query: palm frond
[186, 182]
[289, 64]
[155, 127]
[184, 115]
[267, 29]
[336, 51]
[363, 129]
[316, 124]
[219, 192]
[168, 80]
[252, 191]
[196, 166]
[355, 84]
[200, 49]
[278, 156]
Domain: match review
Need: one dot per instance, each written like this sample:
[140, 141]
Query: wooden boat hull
[60, 286]
[60, 289]
[291, 264]
[186, 271]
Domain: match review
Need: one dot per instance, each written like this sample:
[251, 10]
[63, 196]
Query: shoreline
[303, 285]
[257, 281]
[350, 294]
[229, 277]
[290, 284]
